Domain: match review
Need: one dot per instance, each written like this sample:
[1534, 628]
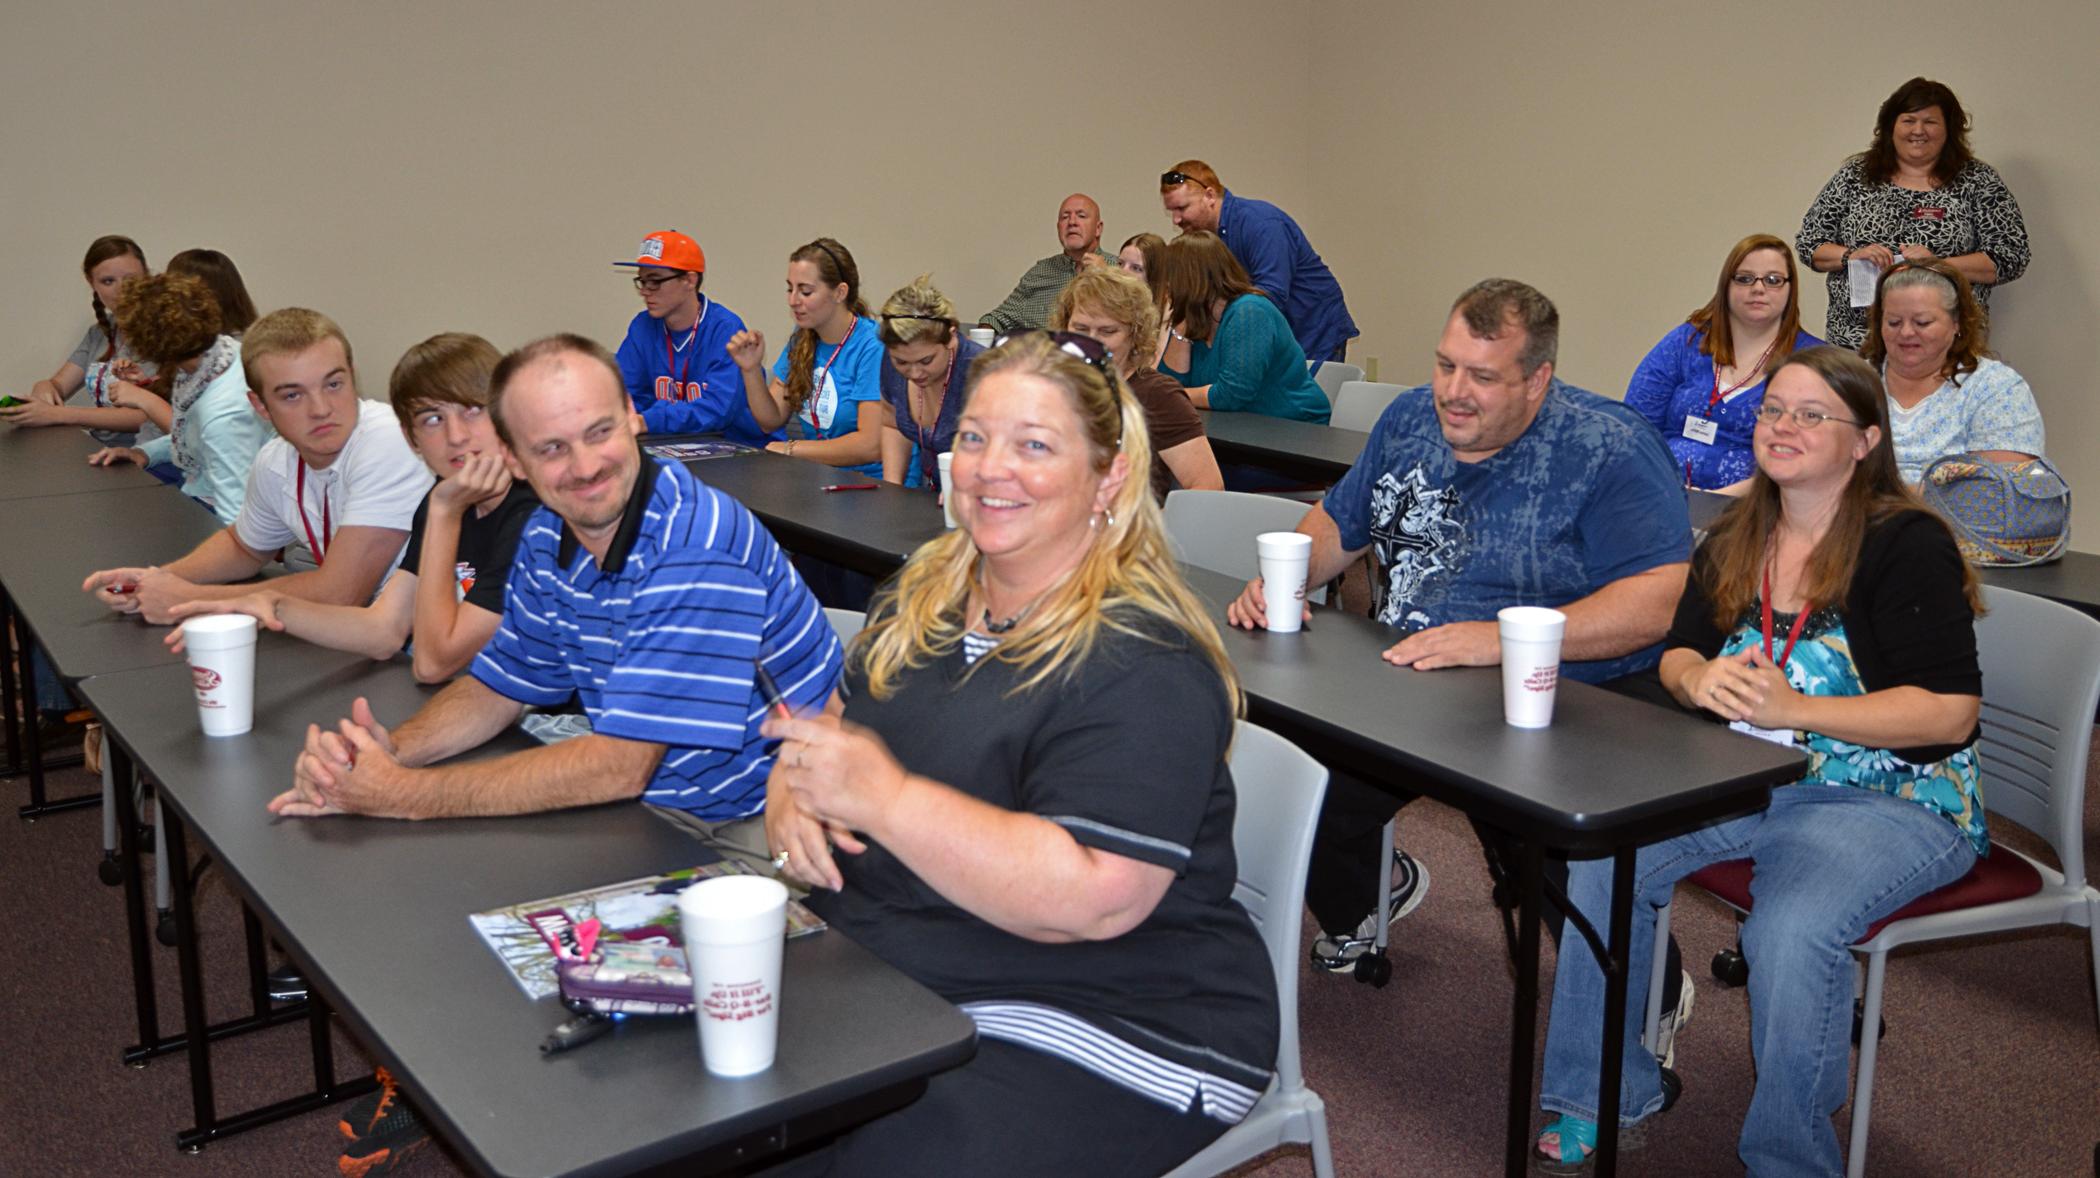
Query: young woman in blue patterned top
[1828, 611]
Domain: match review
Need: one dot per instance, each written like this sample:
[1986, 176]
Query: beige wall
[1610, 156]
[412, 168]
[415, 168]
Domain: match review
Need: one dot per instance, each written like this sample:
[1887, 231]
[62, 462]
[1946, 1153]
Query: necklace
[1003, 626]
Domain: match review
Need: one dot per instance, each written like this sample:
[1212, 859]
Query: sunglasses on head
[1169, 179]
[1080, 347]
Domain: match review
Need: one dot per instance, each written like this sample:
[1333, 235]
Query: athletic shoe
[1410, 884]
[1674, 1022]
[287, 984]
[382, 1131]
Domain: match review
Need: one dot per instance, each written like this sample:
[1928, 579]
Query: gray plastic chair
[1330, 375]
[1280, 789]
[1359, 402]
[2041, 686]
[1216, 529]
[846, 621]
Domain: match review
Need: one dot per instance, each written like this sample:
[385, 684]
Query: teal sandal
[1581, 1135]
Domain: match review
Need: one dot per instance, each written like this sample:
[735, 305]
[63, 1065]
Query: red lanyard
[1800, 619]
[678, 375]
[816, 387]
[1719, 393]
[319, 547]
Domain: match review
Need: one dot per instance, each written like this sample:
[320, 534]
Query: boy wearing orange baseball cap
[675, 360]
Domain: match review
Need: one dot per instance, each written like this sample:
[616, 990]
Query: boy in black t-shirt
[446, 595]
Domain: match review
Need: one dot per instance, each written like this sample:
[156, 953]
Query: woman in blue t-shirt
[826, 385]
[1702, 384]
[1229, 345]
[1830, 612]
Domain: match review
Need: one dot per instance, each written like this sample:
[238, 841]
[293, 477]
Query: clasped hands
[829, 779]
[352, 769]
[1744, 686]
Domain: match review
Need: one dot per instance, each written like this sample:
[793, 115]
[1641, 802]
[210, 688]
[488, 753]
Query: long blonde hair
[1128, 574]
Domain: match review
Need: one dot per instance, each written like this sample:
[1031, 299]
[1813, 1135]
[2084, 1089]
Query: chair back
[847, 622]
[2041, 687]
[1279, 789]
[1216, 529]
[1330, 375]
[1359, 403]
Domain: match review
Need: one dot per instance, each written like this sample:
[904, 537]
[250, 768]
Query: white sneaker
[1410, 884]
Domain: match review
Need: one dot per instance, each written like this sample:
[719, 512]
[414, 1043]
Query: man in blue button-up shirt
[1273, 249]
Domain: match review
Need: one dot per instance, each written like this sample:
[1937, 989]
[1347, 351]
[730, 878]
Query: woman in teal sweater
[1230, 347]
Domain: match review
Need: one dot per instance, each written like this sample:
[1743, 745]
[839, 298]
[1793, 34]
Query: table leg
[9, 693]
[1615, 964]
[196, 1034]
[1516, 1157]
[30, 740]
[122, 773]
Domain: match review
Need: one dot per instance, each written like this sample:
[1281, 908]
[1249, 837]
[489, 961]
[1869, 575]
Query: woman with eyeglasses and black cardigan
[1702, 384]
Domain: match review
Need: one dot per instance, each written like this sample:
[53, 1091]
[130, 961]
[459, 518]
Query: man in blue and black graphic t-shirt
[649, 596]
[675, 360]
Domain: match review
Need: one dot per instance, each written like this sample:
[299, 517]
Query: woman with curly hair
[827, 384]
[173, 321]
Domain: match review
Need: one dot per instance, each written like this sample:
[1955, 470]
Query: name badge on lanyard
[1776, 735]
[1702, 429]
[318, 545]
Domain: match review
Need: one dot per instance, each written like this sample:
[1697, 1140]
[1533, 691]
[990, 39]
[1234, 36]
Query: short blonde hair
[1118, 294]
[287, 333]
[917, 312]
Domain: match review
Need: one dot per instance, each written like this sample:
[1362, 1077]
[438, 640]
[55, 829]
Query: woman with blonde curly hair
[1115, 309]
[922, 386]
[826, 385]
[1025, 769]
[201, 397]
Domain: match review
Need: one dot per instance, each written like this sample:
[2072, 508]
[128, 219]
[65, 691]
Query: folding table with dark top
[53, 460]
[375, 912]
[1610, 775]
[48, 546]
[1301, 449]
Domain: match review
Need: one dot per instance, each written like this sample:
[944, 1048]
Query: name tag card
[1701, 429]
[1783, 736]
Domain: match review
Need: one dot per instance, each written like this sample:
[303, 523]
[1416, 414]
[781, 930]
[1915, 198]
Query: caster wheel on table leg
[164, 929]
[109, 871]
[1374, 969]
[1730, 969]
[1673, 1087]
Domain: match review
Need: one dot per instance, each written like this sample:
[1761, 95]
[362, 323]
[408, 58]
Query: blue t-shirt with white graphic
[845, 374]
[658, 642]
[1584, 497]
[684, 382]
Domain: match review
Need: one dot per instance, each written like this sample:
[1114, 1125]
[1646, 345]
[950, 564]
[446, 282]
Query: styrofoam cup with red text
[1285, 558]
[221, 649]
[1530, 663]
[735, 927]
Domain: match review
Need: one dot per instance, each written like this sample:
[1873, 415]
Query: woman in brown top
[1116, 309]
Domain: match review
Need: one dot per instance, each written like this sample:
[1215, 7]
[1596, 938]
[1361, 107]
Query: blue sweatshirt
[703, 393]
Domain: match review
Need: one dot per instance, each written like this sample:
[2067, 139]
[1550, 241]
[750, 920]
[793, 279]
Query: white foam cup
[1530, 663]
[946, 461]
[734, 927]
[982, 336]
[1285, 558]
[221, 649]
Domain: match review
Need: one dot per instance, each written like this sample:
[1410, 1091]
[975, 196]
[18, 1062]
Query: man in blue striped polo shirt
[647, 594]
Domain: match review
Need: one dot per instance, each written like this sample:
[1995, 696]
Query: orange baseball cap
[670, 249]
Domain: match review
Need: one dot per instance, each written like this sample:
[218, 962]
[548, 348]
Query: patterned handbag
[2003, 513]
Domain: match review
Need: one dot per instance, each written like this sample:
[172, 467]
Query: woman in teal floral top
[1826, 610]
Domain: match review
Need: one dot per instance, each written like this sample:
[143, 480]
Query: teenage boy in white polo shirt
[339, 482]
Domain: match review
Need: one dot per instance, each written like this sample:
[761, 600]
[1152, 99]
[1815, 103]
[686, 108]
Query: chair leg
[1658, 973]
[1863, 1088]
[1316, 1125]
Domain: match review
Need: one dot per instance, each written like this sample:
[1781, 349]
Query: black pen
[771, 690]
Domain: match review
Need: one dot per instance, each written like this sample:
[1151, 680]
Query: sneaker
[287, 984]
[383, 1132]
[1666, 1034]
[1410, 884]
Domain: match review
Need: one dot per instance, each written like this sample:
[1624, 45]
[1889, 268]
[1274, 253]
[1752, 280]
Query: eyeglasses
[1169, 179]
[1754, 279]
[1769, 414]
[1071, 343]
[649, 285]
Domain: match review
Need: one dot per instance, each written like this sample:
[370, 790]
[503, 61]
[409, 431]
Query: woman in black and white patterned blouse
[1915, 194]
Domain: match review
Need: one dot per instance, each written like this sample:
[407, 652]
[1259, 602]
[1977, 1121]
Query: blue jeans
[1830, 861]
